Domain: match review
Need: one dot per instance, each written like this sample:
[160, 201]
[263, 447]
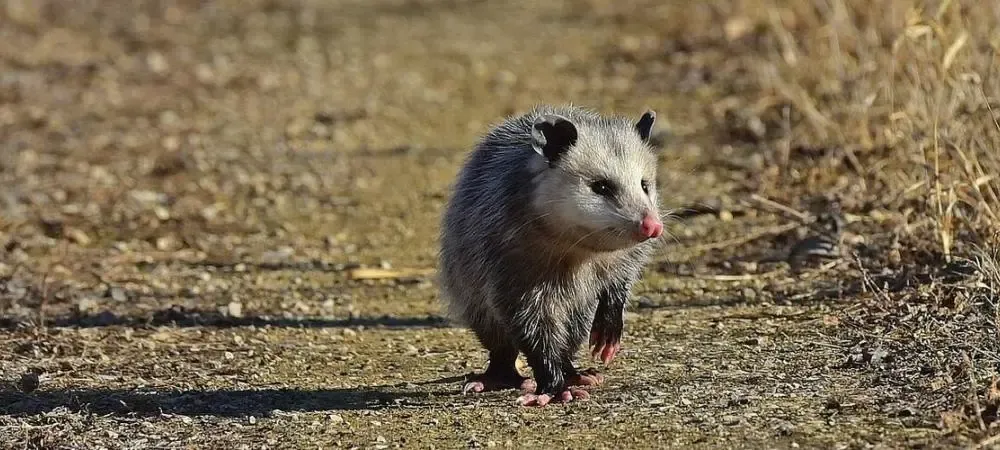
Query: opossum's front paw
[489, 382]
[586, 378]
[605, 346]
[566, 396]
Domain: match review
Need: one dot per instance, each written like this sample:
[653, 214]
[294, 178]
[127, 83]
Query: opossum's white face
[599, 191]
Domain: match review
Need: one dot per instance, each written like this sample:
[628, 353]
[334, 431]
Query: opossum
[552, 218]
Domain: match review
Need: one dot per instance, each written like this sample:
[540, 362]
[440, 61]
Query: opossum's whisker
[575, 244]
[529, 222]
[621, 216]
[551, 249]
[663, 237]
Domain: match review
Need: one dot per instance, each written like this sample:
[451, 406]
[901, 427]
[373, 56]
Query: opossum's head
[596, 180]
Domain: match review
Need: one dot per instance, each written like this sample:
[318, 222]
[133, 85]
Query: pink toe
[608, 353]
[473, 386]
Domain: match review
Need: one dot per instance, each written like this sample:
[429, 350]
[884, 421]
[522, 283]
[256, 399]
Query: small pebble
[235, 309]
[117, 294]
[730, 420]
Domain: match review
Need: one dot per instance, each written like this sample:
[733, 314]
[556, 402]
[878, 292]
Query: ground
[219, 221]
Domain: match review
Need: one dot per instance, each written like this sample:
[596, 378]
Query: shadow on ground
[182, 317]
[222, 403]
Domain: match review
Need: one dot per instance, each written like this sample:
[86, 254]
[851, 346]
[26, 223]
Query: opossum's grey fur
[520, 262]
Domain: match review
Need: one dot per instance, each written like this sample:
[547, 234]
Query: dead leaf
[382, 274]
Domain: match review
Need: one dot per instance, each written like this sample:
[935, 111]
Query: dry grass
[217, 219]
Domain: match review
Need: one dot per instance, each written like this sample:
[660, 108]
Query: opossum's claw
[473, 386]
[566, 396]
[604, 349]
[609, 352]
[483, 382]
[586, 378]
[534, 400]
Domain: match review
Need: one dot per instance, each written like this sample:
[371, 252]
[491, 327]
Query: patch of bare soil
[218, 221]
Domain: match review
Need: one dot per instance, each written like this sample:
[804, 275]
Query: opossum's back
[473, 216]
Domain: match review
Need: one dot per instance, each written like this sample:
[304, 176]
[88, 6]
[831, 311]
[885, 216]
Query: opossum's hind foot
[569, 395]
[488, 381]
[585, 378]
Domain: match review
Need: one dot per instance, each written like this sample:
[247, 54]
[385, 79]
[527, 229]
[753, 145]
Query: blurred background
[260, 183]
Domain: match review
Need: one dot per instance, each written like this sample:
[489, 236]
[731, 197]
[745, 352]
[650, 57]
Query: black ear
[645, 125]
[552, 135]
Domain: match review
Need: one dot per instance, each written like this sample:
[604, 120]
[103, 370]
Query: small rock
[117, 294]
[895, 258]
[878, 355]
[785, 428]
[252, 420]
[77, 236]
[157, 62]
[148, 197]
[235, 309]
[161, 213]
[277, 256]
[335, 418]
[737, 27]
[730, 420]
[86, 304]
[204, 73]
[165, 243]
[645, 302]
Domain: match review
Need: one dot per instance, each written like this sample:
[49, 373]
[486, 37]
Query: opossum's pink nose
[651, 227]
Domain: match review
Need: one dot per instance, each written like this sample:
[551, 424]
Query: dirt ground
[218, 221]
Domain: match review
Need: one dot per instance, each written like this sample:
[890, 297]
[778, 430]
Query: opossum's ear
[552, 135]
[645, 125]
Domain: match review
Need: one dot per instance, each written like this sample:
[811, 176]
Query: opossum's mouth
[610, 239]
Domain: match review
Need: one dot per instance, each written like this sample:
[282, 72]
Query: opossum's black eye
[645, 186]
[602, 188]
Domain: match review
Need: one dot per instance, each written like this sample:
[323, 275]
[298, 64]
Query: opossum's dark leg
[546, 357]
[551, 382]
[501, 373]
[609, 322]
[578, 329]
